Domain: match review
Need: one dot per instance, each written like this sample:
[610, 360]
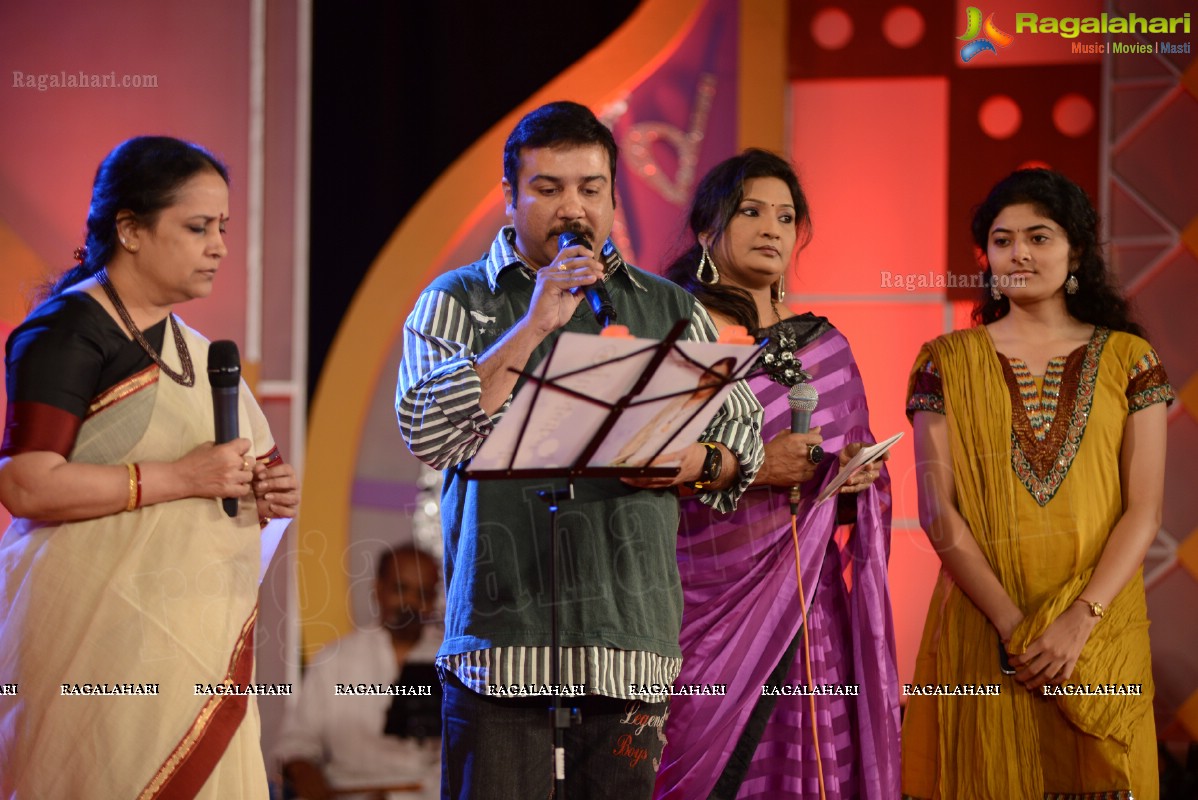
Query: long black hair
[1097, 301]
[142, 175]
[716, 201]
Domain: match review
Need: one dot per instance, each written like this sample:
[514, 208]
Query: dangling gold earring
[781, 287]
[994, 290]
[1071, 284]
[705, 260]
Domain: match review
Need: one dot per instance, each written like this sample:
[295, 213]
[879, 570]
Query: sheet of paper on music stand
[562, 424]
[864, 456]
[675, 420]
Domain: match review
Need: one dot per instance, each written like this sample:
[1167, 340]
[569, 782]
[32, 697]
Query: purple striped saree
[741, 615]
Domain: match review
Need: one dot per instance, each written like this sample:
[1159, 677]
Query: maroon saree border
[186, 769]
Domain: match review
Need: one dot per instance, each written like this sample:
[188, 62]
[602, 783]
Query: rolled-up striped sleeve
[438, 393]
[737, 425]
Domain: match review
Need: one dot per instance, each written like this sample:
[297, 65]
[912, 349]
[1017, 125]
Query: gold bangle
[134, 488]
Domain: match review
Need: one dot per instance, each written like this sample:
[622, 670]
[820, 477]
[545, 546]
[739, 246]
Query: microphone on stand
[802, 399]
[224, 374]
[596, 293]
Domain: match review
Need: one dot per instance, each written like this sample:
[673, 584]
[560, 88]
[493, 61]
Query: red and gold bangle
[134, 487]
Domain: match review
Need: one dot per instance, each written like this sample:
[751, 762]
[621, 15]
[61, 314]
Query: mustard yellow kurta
[1036, 470]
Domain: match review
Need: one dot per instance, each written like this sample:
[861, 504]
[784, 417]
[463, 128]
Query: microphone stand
[560, 718]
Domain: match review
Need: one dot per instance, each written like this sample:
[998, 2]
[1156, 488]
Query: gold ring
[245, 463]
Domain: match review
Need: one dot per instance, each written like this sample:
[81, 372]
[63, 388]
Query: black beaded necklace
[188, 377]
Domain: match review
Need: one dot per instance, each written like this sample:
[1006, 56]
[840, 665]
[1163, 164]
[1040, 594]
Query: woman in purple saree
[743, 623]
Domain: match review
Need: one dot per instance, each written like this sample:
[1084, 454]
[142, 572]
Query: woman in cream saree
[126, 592]
[163, 598]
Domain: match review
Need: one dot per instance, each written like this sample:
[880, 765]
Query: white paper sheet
[864, 456]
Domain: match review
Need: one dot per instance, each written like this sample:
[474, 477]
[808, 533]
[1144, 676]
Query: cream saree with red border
[164, 597]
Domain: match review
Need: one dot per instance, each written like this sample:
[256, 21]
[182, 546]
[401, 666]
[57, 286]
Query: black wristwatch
[713, 465]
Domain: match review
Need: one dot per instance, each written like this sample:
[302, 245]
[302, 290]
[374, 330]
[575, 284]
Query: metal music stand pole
[562, 718]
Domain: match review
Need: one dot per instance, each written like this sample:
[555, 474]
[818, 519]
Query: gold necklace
[188, 377]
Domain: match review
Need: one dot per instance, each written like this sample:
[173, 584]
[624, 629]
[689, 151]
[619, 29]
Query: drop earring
[705, 260]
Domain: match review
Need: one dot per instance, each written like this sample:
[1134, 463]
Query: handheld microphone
[802, 399]
[224, 374]
[596, 293]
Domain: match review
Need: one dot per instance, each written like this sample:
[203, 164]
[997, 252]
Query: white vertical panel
[255, 183]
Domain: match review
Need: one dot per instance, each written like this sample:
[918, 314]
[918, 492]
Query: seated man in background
[355, 725]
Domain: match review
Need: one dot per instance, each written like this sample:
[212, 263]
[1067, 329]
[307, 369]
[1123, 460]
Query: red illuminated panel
[872, 157]
[870, 39]
[150, 69]
[872, 153]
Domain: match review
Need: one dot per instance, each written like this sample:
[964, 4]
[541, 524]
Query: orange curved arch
[22, 273]
[414, 254]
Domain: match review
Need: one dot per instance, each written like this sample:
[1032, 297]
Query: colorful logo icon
[979, 43]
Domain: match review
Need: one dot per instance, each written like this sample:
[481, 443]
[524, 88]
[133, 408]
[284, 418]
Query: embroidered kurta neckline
[1043, 443]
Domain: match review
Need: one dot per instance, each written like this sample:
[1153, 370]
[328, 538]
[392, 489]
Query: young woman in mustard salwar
[1040, 449]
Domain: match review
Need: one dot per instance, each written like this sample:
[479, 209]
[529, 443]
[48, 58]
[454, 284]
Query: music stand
[539, 390]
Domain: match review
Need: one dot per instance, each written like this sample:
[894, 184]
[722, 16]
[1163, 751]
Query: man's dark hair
[558, 124]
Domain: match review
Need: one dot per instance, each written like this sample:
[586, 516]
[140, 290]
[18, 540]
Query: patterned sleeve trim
[928, 392]
[1147, 383]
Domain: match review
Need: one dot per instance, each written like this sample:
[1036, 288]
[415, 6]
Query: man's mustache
[578, 228]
